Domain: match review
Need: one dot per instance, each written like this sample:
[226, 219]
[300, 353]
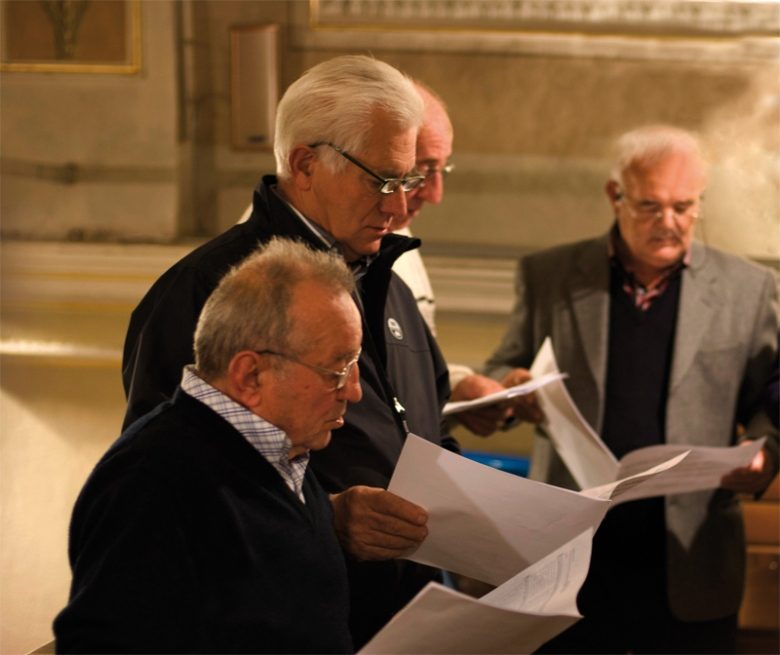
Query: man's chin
[321, 441]
[354, 251]
[406, 221]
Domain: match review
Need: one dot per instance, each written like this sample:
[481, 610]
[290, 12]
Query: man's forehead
[669, 175]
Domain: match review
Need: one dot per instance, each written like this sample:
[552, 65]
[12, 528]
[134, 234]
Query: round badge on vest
[395, 329]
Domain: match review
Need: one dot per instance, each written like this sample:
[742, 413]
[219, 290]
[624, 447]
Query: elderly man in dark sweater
[202, 529]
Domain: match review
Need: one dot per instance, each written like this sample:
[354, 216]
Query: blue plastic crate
[510, 463]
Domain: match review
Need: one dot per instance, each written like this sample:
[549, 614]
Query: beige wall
[532, 127]
[113, 135]
[153, 162]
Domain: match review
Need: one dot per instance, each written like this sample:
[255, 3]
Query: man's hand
[750, 479]
[374, 524]
[525, 408]
[485, 420]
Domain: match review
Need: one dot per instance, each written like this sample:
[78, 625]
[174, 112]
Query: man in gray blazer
[665, 340]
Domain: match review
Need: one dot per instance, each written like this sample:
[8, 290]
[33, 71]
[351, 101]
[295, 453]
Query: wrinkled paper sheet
[517, 617]
[531, 539]
[596, 469]
[484, 523]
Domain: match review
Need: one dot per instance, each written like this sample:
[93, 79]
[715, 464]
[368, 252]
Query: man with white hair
[665, 340]
[345, 156]
[434, 148]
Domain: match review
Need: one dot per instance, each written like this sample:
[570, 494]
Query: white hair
[650, 144]
[333, 102]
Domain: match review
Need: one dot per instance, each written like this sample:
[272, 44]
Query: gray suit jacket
[725, 346]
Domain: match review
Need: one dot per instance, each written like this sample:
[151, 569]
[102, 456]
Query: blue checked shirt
[268, 440]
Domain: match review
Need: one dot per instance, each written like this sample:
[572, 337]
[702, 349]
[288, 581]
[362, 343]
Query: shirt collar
[359, 267]
[271, 442]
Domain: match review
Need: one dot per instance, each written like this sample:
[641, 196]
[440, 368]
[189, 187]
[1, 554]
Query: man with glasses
[203, 529]
[665, 340]
[345, 156]
[434, 148]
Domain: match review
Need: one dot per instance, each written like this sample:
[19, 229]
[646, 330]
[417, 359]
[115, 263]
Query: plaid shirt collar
[641, 295]
[268, 440]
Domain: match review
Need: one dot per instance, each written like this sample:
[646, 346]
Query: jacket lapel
[698, 299]
[590, 305]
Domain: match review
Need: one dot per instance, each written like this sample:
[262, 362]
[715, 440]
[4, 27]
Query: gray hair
[650, 144]
[334, 102]
[249, 309]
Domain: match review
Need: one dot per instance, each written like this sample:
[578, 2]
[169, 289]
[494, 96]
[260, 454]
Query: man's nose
[433, 189]
[351, 391]
[668, 216]
[394, 203]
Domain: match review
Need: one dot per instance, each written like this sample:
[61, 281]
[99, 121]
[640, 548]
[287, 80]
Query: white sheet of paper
[701, 469]
[596, 469]
[500, 396]
[517, 617]
[550, 585]
[619, 490]
[586, 456]
[484, 523]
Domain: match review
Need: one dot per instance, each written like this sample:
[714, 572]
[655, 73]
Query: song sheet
[501, 396]
[484, 523]
[517, 617]
[595, 468]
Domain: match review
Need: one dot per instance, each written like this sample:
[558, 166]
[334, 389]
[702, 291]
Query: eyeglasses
[389, 184]
[651, 210]
[340, 377]
[429, 170]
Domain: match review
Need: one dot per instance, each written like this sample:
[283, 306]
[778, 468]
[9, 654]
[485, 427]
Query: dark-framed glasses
[339, 377]
[388, 184]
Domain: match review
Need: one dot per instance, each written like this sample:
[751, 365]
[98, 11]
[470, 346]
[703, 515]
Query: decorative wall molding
[45, 274]
[117, 276]
[35, 273]
[645, 29]
[647, 17]
[86, 172]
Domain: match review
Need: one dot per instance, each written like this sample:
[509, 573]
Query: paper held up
[699, 468]
[532, 539]
[500, 396]
[484, 523]
[527, 610]
[596, 469]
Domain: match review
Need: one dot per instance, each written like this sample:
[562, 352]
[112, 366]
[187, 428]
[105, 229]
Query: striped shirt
[268, 440]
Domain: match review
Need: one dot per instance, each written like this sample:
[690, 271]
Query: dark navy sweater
[185, 539]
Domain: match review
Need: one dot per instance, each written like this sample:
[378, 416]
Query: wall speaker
[254, 85]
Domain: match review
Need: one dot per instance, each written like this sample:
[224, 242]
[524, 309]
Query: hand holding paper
[374, 524]
[595, 468]
[501, 396]
[532, 539]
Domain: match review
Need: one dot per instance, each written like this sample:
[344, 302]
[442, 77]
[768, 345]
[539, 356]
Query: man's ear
[614, 193]
[246, 373]
[303, 161]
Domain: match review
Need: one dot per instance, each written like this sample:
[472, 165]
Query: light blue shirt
[268, 440]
